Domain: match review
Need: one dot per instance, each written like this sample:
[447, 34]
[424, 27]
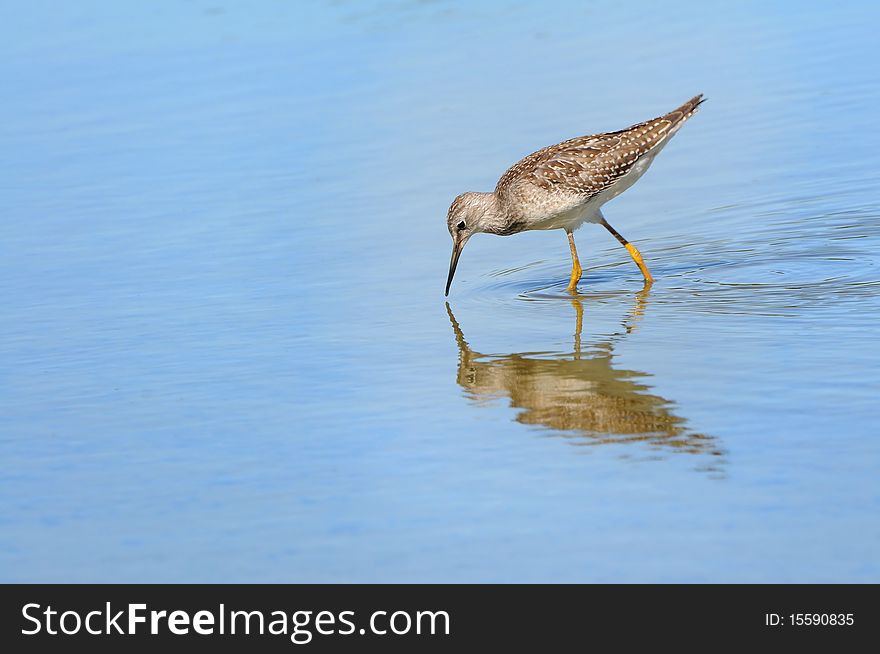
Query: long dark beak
[457, 247]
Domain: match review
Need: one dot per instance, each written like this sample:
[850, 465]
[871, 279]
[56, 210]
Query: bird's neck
[494, 218]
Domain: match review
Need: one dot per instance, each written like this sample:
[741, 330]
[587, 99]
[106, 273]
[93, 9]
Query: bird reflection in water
[581, 392]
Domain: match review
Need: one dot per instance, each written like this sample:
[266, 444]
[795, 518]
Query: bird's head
[469, 214]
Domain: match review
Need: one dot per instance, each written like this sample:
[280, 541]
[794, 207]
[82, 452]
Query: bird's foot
[573, 281]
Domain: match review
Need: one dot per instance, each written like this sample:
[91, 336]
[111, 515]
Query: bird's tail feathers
[685, 111]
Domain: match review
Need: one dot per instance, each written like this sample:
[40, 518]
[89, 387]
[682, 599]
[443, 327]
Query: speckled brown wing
[588, 165]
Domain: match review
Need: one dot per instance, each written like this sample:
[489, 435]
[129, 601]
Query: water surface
[225, 351]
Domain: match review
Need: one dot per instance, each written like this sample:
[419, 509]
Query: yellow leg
[576, 269]
[637, 257]
[633, 252]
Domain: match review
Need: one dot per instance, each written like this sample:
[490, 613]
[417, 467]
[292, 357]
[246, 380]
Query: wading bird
[565, 185]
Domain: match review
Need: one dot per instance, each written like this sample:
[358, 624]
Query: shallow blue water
[225, 352]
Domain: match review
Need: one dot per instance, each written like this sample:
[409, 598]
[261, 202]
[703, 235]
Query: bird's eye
[461, 225]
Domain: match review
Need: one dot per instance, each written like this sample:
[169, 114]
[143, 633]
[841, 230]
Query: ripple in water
[776, 269]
